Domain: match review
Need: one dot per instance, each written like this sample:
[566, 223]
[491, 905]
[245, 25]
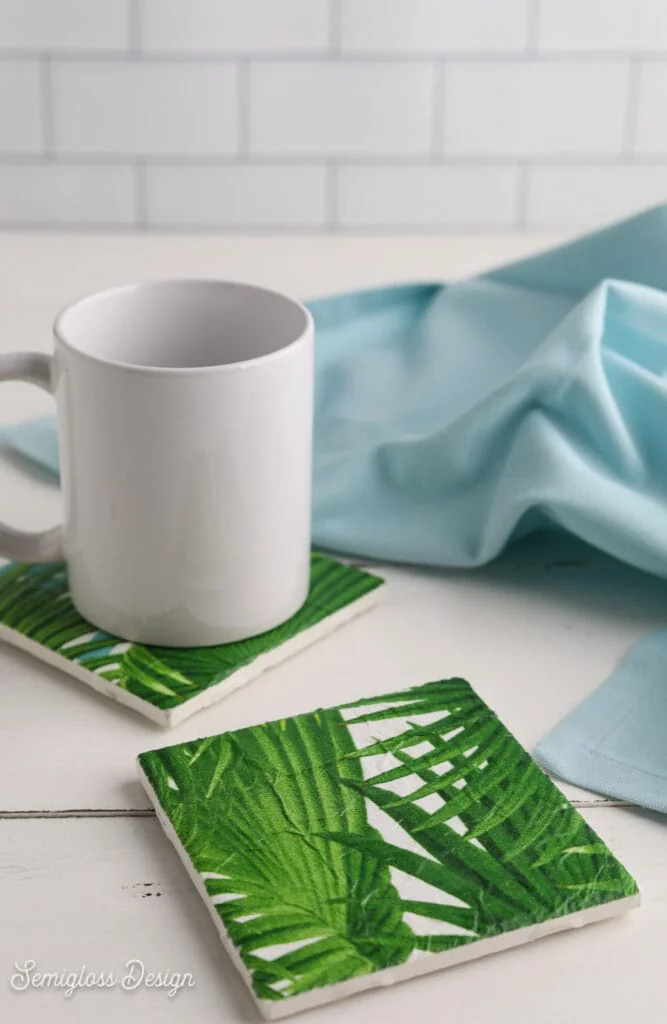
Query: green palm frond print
[35, 601]
[341, 842]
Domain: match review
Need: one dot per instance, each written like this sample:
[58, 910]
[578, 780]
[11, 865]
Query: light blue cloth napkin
[616, 741]
[36, 440]
[453, 418]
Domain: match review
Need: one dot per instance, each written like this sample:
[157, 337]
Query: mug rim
[240, 364]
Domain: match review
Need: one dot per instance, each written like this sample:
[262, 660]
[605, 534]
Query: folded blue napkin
[616, 741]
[36, 440]
[451, 419]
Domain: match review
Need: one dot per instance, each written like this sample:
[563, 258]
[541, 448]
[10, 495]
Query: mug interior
[182, 324]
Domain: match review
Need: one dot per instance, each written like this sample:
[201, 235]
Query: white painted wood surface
[81, 858]
[79, 892]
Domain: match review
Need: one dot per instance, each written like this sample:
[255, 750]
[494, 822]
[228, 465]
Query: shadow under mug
[185, 415]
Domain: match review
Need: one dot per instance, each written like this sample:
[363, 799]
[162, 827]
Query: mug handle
[21, 545]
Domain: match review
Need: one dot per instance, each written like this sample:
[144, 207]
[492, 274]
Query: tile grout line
[46, 106]
[383, 231]
[335, 19]
[140, 195]
[632, 110]
[549, 160]
[532, 27]
[242, 107]
[331, 200]
[521, 200]
[438, 112]
[324, 56]
[134, 23]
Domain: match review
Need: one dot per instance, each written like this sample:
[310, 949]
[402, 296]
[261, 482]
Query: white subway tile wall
[536, 108]
[232, 26]
[21, 129]
[65, 194]
[331, 115]
[135, 108]
[465, 196]
[651, 129]
[603, 26]
[238, 195]
[341, 108]
[568, 196]
[433, 26]
[71, 25]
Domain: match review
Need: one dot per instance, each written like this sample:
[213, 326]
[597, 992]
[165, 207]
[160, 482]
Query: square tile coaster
[369, 843]
[167, 684]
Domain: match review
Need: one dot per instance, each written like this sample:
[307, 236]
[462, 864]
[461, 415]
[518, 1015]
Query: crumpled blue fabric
[451, 418]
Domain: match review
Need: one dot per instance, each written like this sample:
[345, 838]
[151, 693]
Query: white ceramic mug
[185, 422]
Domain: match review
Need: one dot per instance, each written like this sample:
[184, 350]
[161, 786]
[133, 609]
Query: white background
[342, 115]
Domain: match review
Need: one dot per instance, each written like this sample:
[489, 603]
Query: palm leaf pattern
[34, 601]
[347, 840]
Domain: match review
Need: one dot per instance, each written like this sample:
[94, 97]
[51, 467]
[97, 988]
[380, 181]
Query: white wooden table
[86, 876]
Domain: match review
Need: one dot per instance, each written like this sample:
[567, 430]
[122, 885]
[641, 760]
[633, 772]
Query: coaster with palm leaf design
[368, 843]
[167, 684]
